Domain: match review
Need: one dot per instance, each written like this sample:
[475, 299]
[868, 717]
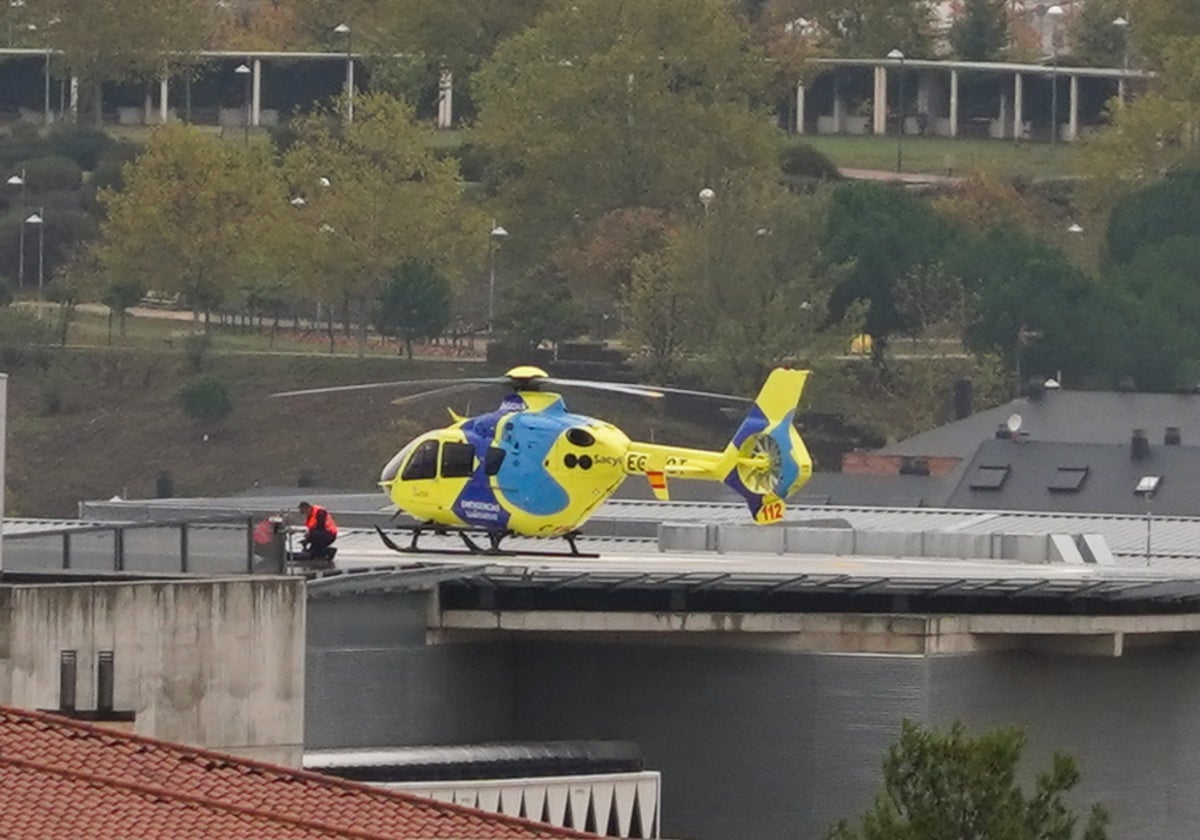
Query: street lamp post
[496, 234]
[706, 198]
[245, 71]
[1055, 13]
[1122, 26]
[39, 219]
[19, 181]
[896, 55]
[344, 29]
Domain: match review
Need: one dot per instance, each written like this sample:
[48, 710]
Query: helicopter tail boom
[765, 462]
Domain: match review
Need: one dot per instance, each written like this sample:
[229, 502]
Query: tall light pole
[244, 71]
[1055, 13]
[1122, 25]
[706, 198]
[39, 219]
[896, 55]
[497, 233]
[19, 181]
[344, 29]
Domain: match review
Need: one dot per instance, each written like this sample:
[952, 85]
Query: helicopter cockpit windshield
[393, 466]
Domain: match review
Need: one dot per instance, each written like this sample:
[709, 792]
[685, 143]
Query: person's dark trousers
[318, 544]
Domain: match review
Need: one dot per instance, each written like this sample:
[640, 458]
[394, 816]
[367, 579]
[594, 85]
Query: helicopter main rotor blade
[616, 387]
[399, 383]
[433, 392]
[711, 395]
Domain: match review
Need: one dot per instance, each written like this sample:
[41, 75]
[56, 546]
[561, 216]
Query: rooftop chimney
[1139, 445]
[1172, 437]
[962, 398]
[104, 681]
[66, 680]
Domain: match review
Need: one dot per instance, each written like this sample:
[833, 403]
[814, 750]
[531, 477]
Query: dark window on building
[1068, 479]
[911, 465]
[988, 477]
[458, 460]
[493, 460]
[423, 463]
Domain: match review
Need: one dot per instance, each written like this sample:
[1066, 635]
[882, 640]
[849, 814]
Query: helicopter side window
[423, 463]
[493, 460]
[458, 460]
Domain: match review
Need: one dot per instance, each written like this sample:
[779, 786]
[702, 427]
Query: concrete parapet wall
[214, 663]
[1023, 548]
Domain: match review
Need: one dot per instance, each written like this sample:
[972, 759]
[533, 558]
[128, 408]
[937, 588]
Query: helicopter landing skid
[470, 546]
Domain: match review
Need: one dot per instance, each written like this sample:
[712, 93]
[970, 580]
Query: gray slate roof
[1061, 415]
[1107, 486]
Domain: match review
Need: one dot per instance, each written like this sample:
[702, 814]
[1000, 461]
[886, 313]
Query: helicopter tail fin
[766, 461]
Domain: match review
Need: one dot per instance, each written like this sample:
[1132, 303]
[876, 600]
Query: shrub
[206, 400]
[801, 159]
[85, 146]
[53, 172]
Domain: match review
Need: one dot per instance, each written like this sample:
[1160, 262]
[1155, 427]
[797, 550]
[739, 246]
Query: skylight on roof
[1147, 485]
[1068, 479]
[988, 477]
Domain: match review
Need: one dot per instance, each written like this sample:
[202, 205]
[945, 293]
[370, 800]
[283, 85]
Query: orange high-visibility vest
[311, 523]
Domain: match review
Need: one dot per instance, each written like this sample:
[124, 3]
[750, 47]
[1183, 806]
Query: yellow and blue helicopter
[533, 468]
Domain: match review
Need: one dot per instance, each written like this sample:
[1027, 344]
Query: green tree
[862, 28]
[206, 400]
[119, 295]
[1160, 211]
[604, 104]
[1158, 304]
[123, 40]
[950, 785]
[540, 307]
[376, 196]
[876, 235]
[735, 290]
[1156, 133]
[195, 212]
[414, 305]
[980, 32]
[1156, 24]
[1021, 286]
[1094, 40]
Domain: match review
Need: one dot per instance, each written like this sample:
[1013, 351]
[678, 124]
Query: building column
[838, 109]
[74, 99]
[1073, 123]
[1121, 90]
[164, 101]
[256, 96]
[953, 103]
[445, 117]
[799, 109]
[879, 125]
[1018, 108]
[147, 106]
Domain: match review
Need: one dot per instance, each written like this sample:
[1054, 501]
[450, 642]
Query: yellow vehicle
[532, 468]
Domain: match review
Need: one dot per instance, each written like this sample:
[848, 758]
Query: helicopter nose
[392, 469]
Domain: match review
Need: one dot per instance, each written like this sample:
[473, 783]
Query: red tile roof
[60, 778]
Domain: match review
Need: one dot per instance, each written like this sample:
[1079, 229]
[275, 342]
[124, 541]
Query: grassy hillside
[87, 424]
